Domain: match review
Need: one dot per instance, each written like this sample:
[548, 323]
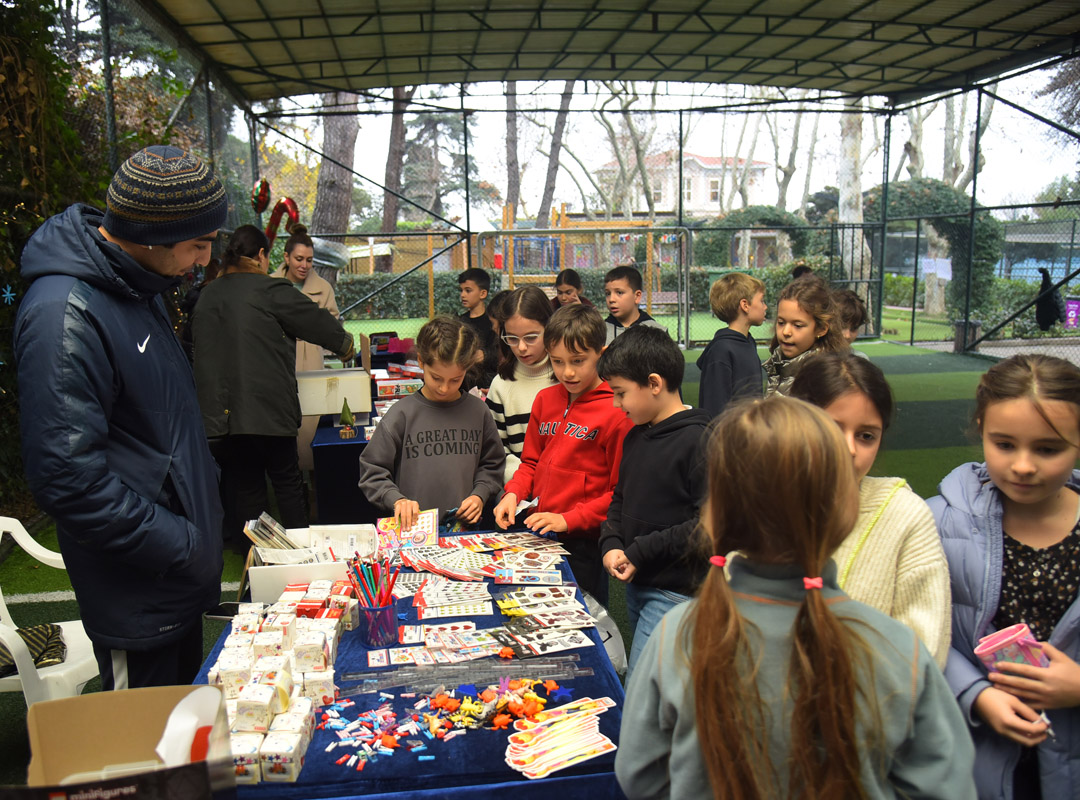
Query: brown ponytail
[830, 664]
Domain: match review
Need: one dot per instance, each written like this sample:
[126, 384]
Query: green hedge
[406, 298]
[409, 296]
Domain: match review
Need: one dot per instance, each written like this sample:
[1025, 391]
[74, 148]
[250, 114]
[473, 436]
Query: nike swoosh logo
[142, 347]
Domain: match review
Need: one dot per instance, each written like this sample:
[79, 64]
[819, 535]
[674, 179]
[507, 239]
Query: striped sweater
[510, 402]
[893, 561]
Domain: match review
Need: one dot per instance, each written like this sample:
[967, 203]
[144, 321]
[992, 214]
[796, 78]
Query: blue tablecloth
[469, 766]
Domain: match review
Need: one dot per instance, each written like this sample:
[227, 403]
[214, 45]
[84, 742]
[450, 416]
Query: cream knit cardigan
[893, 561]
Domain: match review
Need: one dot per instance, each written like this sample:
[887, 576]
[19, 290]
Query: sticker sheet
[424, 532]
[460, 610]
[568, 735]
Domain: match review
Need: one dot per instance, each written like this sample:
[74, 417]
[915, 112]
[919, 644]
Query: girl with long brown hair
[524, 367]
[806, 323]
[772, 683]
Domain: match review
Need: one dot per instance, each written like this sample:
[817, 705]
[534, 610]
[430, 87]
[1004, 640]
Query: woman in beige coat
[299, 270]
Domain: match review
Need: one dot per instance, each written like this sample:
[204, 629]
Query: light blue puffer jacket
[969, 514]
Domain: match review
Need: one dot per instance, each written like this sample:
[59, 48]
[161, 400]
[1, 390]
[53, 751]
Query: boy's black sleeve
[716, 386]
[611, 537]
[611, 528]
[671, 545]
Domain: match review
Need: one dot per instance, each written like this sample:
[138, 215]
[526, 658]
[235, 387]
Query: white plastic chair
[49, 683]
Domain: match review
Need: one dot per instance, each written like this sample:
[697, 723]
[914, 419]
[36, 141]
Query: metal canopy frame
[899, 49]
[907, 52]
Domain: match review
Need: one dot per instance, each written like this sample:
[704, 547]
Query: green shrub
[898, 290]
[1005, 298]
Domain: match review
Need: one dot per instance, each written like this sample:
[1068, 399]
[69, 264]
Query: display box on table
[323, 391]
[101, 744]
[268, 581]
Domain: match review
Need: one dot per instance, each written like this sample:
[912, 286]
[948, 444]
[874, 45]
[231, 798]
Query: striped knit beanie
[164, 195]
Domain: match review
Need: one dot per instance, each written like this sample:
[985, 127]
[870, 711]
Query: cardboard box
[78, 740]
[324, 391]
[268, 582]
[247, 766]
[282, 756]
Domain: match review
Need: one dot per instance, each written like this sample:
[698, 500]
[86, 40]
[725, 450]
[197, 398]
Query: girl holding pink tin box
[1011, 532]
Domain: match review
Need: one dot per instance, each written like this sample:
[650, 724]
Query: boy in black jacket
[647, 539]
[730, 367]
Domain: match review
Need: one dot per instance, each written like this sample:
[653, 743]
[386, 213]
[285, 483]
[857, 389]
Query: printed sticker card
[450, 627]
[377, 658]
[460, 610]
[424, 532]
[400, 656]
[528, 577]
[531, 560]
[538, 595]
[540, 643]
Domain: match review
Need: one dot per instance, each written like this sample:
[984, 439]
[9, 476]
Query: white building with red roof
[706, 182]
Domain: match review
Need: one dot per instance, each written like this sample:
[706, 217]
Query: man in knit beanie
[112, 435]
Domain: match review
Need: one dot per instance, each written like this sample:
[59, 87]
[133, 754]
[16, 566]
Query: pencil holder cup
[1014, 643]
[378, 626]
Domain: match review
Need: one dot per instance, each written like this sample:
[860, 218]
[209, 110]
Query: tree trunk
[744, 189]
[395, 157]
[735, 163]
[544, 211]
[953, 165]
[982, 123]
[913, 146]
[786, 171]
[809, 166]
[513, 170]
[333, 194]
[853, 250]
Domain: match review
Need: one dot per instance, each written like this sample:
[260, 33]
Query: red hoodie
[570, 459]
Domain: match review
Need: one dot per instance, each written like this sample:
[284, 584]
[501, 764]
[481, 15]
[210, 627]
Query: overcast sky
[1021, 154]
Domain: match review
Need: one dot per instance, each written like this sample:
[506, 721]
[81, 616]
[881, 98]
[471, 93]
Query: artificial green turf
[930, 361]
[934, 386]
[896, 325]
[923, 469]
[21, 573]
[926, 425]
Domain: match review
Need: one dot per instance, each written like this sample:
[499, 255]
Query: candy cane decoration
[286, 205]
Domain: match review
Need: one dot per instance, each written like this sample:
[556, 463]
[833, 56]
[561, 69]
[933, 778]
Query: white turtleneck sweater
[510, 402]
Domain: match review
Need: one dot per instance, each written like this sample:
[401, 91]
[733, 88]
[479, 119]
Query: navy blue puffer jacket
[112, 437]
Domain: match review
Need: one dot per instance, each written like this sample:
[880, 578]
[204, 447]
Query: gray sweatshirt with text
[434, 453]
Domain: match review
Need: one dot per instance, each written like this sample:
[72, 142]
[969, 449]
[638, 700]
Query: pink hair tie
[812, 583]
[718, 561]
